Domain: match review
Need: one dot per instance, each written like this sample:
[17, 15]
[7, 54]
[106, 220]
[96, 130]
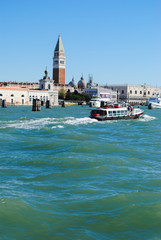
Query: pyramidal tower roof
[59, 46]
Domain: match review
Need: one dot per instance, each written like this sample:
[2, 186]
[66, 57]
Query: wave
[46, 123]
[146, 118]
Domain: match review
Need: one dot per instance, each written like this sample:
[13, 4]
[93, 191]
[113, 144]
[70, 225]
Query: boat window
[118, 112]
[125, 112]
[122, 112]
[96, 111]
[114, 113]
[153, 99]
[104, 113]
[110, 113]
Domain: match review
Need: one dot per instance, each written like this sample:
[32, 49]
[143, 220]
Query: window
[130, 91]
[110, 113]
[12, 95]
[122, 91]
[141, 92]
[12, 101]
[55, 62]
[22, 101]
[1, 94]
[114, 113]
[61, 62]
[22, 95]
[48, 86]
[148, 92]
[135, 92]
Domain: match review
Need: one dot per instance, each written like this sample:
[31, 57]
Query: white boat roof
[112, 108]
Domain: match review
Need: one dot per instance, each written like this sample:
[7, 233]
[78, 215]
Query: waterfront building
[59, 63]
[24, 96]
[134, 94]
[33, 85]
[100, 92]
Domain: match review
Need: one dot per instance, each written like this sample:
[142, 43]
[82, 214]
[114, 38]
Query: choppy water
[66, 176]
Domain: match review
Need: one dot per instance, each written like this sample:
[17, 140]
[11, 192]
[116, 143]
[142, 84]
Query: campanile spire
[59, 63]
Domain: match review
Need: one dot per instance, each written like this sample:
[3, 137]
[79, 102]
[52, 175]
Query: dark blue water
[66, 176]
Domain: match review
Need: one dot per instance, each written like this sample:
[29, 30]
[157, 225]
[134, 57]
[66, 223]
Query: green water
[66, 176]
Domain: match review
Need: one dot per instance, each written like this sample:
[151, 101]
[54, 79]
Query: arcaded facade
[134, 94]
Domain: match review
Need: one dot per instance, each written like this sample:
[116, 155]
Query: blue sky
[116, 41]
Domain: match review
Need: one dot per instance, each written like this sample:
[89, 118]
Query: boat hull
[152, 105]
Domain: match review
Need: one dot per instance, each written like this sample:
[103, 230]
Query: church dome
[73, 83]
[91, 84]
[82, 84]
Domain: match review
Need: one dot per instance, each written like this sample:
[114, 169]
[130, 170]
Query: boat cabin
[154, 99]
[109, 112]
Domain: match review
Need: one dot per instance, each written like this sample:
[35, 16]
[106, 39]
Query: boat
[116, 113]
[154, 102]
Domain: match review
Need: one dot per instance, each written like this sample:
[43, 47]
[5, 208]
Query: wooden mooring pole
[36, 105]
[48, 104]
[4, 104]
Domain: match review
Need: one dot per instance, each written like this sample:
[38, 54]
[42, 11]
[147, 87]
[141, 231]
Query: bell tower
[59, 63]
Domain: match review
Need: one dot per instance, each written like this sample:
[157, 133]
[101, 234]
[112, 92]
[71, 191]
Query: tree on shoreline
[74, 96]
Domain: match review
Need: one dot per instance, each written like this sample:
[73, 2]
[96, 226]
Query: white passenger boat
[154, 102]
[115, 113]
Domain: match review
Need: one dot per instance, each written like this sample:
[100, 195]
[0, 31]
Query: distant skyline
[115, 41]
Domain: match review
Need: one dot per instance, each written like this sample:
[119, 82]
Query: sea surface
[66, 176]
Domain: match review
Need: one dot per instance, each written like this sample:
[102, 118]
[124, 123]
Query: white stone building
[134, 94]
[25, 96]
[101, 93]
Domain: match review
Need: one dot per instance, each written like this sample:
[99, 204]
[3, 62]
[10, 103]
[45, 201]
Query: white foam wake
[46, 123]
[78, 121]
[146, 118]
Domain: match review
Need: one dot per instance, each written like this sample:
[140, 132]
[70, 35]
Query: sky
[115, 41]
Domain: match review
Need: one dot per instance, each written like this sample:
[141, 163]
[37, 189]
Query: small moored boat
[115, 113]
[154, 102]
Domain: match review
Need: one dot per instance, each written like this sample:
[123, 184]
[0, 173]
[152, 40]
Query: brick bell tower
[59, 63]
